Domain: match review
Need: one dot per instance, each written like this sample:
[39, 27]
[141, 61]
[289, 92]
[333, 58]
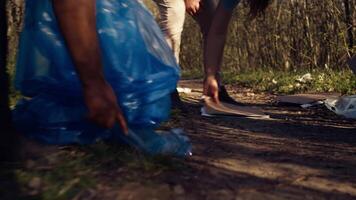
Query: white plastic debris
[345, 106]
[305, 78]
[184, 90]
[308, 105]
[204, 113]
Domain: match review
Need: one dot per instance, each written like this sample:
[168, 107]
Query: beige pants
[172, 16]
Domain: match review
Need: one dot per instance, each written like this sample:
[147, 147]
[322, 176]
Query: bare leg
[214, 49]
[204, 18]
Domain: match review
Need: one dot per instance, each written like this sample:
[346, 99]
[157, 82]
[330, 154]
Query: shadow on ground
[298, 154]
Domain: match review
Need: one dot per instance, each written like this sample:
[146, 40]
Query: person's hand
[192, 6]
[211, 88]
[102, 105]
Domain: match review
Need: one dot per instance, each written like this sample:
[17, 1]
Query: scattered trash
[305, 100]
[345, 106]
[308, 105]
[305, 78]
[184, 90]
[212, 109]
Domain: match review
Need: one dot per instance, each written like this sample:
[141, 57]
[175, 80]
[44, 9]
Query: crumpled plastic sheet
[138, 64]
[344, 106]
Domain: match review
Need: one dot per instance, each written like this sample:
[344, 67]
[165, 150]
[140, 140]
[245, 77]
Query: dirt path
[298, 154]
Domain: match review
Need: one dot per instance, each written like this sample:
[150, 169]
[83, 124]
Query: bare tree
[295, 35]
[9, 140]
[348, 19]
[5, 118]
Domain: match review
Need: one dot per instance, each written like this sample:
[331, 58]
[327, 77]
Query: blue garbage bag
[138, 64]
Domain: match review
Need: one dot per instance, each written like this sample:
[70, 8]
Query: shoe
[226, 98]
[177, 103]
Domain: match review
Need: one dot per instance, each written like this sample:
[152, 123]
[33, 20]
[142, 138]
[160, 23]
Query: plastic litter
[305, 100]
[184, 90]
[305, 78]
[345, 106]
[308, 105]
[138, 64]
[212, 109]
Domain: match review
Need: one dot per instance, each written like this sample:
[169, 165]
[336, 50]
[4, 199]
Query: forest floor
[297, 154]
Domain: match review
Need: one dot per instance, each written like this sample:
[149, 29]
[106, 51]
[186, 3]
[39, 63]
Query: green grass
[286, 82]
[275, 81]
[64, 173]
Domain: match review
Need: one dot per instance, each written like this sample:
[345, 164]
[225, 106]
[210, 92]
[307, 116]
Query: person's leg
[205, 15]
[204, 18]
[171, 21]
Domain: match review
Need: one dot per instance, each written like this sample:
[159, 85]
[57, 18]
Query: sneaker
[225, 97]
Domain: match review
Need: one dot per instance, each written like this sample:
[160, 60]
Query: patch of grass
[63, 178]
[63, 174]
[117, 155]
[194, 73]
[287, 82]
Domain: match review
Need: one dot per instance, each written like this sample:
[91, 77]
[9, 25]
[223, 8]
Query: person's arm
[214, 50]
[77, 21]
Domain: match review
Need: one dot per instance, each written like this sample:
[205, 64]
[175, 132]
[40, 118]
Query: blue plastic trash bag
[138, 64]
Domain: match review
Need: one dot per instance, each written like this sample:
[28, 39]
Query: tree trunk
[5, 118]
[9, 141]
[348, 19]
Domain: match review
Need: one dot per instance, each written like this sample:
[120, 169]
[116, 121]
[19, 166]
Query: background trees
[293, 35]
[4, 82]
